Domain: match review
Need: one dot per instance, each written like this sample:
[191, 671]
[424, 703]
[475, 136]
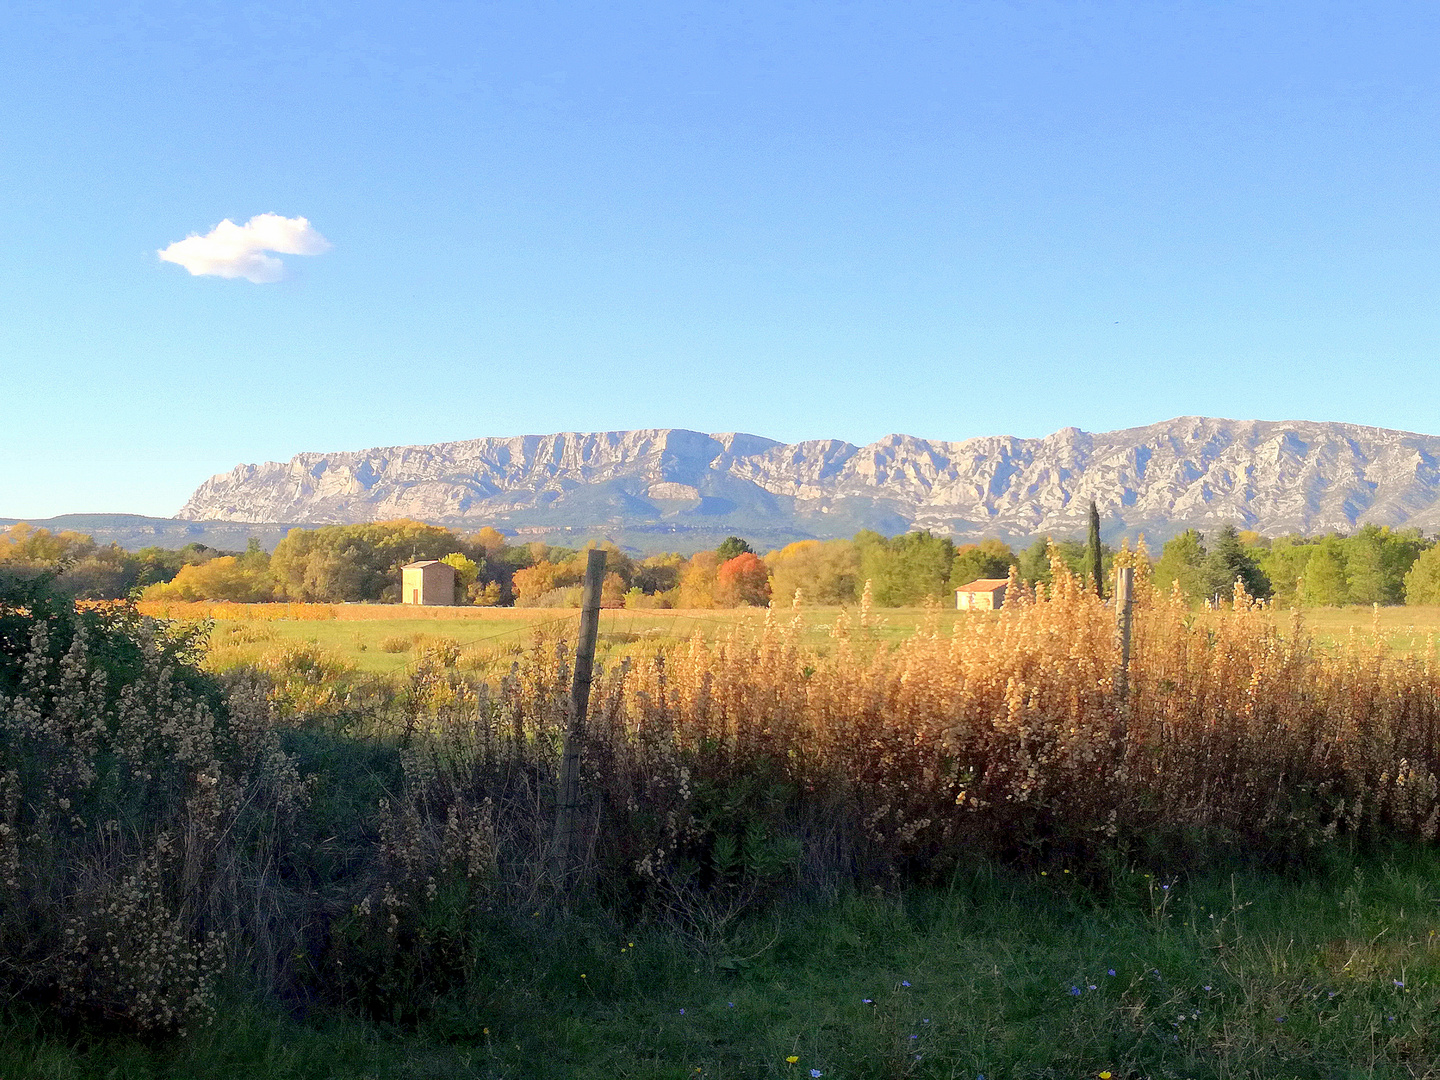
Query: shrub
[144, 805]
[124, 773]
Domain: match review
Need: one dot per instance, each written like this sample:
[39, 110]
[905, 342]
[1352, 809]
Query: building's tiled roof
[984, 584]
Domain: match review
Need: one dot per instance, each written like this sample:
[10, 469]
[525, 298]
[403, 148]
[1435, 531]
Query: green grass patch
[489, 637]
[1405, 629]
[493, 636]
[1001, 974]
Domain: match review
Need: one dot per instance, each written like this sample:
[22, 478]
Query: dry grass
[1011, 726]
[226, 611]
[391, 642]
[122, 816]
[762, 753]
[1007, 735]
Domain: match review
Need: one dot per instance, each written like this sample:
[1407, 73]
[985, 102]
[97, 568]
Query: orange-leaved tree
[744, 579]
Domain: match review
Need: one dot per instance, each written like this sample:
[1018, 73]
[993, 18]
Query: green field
[1405, 629]
[389, 641]
[380, 639]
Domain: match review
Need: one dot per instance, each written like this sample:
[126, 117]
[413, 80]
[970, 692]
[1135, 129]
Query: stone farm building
[984, 594]
[428, 582]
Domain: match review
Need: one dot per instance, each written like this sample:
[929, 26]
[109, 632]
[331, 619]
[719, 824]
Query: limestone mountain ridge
[1271, 476]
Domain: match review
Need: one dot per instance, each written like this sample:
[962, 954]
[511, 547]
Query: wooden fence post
[1124, 617]
[568, 796]
[1124, 614]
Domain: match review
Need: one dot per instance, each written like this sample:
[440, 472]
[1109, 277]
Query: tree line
[1374, 565]
[88, 570]
[360, 563]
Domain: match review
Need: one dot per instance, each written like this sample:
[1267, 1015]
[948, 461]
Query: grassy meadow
[387, 638]
[1405, 628]
[909, 842]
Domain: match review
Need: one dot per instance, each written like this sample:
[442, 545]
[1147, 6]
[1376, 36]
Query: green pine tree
[1094, 556]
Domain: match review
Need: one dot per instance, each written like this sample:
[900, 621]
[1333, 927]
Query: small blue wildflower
[1399, 984]
[905, 982]
[1390, 1018]
[682, 1012]
[816, 1073]
[866, 1001]
[1279, 1019]
[914, 1036]
[1207, 988]
[1092, 986]
[1075, 990]
[1111, 971]
[925, 1021]
[1332, 993]
[730, 1004]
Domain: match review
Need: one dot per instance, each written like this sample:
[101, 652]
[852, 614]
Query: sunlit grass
[1405, 629]
[368, 636]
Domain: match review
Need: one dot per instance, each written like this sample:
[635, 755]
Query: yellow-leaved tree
[225, 578]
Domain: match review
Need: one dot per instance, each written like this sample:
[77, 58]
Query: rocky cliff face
[1193, 471]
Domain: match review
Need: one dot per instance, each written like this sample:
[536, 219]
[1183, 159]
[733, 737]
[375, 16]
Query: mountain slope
[1192, 471]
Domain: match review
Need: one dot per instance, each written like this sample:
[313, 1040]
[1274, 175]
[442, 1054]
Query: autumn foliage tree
[697, 582]
[533, 582]
[612, 591]
[822, 571]
[743, 580]
[82, 568]
[225, 578]
[556, 577]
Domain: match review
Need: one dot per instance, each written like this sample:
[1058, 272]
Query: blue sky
[831, 220]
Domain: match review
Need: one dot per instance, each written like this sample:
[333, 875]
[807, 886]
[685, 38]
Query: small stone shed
[983, 594]
[427, 583]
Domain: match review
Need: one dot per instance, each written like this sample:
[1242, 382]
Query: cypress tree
[1093, 557]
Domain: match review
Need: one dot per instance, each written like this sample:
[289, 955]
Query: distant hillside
[669, 488]
[134, 531]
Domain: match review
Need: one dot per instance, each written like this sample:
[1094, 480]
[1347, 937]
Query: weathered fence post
[1124, 616]
[568, 797]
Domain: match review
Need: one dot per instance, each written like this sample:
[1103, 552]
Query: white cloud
[238, 251]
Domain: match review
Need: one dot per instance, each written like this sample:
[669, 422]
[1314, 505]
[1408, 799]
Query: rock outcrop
[1274, 477]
